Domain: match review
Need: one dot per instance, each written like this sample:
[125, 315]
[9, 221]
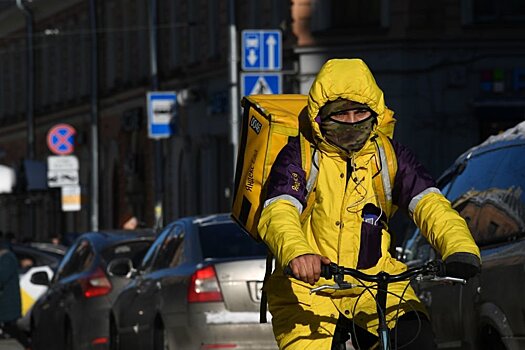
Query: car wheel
[491, 340]
[35, 342]
[68, 337]
[114, 337]
[160, 339]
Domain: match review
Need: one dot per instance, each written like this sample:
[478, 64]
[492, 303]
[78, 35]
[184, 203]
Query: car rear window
[131, 250]
[228, 241]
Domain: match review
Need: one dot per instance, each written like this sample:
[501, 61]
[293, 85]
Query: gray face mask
[350, 137]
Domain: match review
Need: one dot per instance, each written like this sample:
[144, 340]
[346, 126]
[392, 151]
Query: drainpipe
[234, 88]
[30, 98]
[30, 93]
[157, 143]
[94, 117]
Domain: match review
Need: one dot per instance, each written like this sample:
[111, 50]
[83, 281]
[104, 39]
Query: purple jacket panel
[287, 176]
[411, 177]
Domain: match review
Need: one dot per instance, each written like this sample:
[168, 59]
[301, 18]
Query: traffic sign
[261, 83]
[261, 50]
[60, 178]
[162, 108]
[61, 139]
[71, 198]
[62, 163]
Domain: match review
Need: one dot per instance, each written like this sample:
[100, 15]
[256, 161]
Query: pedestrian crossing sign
[261, 84]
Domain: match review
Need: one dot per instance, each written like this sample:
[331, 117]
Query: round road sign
[61, 139]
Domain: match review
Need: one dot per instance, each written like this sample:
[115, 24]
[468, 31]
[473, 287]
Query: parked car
[72, 314]
[485, 185]
[32, 260]
[198, 287]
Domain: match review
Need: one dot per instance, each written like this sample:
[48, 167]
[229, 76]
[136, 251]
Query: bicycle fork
[382, 329]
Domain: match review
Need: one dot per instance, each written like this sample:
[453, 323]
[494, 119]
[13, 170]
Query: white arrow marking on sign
[252, 57]
[271, 42]
[261, 87]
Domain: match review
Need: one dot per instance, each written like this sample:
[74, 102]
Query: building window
[493, 11]
[342, 15]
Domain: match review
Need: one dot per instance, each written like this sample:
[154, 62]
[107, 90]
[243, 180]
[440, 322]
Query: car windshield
[227, 240]
[131, 250]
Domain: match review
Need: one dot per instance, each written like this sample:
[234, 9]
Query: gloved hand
[462, 265]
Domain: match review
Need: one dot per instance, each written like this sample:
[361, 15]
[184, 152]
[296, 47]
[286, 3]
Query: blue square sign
[261, 83]
[162, 108]
[261, 50]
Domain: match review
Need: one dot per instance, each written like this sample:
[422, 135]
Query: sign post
[62, 169]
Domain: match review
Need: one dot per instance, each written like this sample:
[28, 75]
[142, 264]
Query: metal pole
[158, 210]
[30, 95]
[30, 98]
[94, 116]
[234, 88]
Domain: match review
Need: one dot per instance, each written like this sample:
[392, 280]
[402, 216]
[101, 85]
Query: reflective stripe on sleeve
[288, 198]
[413, 203]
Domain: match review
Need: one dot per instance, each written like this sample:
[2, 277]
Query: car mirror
[40, 278]
[121, 267]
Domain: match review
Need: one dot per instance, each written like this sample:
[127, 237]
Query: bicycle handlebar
[433, 270]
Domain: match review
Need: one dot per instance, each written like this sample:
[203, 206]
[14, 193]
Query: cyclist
[347, 222]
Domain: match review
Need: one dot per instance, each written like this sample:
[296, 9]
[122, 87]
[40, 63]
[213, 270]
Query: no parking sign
[61, 139]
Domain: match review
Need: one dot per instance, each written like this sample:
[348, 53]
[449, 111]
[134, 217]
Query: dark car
[72, 314]
[198, 287]
[485, 185]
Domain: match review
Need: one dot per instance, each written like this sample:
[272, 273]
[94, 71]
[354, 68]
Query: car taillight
[204, 286]
[96, 284]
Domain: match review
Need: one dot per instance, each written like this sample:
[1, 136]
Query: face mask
[348, 136]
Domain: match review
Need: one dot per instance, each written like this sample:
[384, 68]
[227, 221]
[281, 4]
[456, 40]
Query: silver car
[198, 287]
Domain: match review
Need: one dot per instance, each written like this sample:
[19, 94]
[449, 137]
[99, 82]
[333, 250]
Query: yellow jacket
[334, 227]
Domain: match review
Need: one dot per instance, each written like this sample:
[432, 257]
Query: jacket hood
[348, 79]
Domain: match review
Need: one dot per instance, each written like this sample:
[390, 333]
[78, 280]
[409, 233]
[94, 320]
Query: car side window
[150, 255]
[489, 195]
[80, 260]
[170, 252]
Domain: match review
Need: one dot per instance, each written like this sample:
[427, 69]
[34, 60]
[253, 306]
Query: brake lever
[441, 279]
[335, 286]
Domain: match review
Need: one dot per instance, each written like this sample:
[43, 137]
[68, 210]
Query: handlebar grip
[326, 271]
[288, 271]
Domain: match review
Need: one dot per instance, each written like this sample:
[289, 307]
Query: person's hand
[307, 268]
[462, 265]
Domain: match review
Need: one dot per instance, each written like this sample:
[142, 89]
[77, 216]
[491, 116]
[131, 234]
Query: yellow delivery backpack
[267, 123]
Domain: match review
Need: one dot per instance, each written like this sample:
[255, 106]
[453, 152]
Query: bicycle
[432, 271]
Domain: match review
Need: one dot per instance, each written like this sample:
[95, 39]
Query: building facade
[452, 70]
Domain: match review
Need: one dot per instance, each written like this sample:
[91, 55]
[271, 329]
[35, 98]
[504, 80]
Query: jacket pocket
[370, 247]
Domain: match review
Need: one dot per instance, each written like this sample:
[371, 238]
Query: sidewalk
[10, 344]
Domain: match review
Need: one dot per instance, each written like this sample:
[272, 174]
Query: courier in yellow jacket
[346, 224]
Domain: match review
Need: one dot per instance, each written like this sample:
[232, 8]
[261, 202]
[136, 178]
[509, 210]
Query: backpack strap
[385, 173]
[311, 167]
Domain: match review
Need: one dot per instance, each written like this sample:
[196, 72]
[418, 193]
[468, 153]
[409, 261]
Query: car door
[50, 317]
[132, 307]
[158, 284]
